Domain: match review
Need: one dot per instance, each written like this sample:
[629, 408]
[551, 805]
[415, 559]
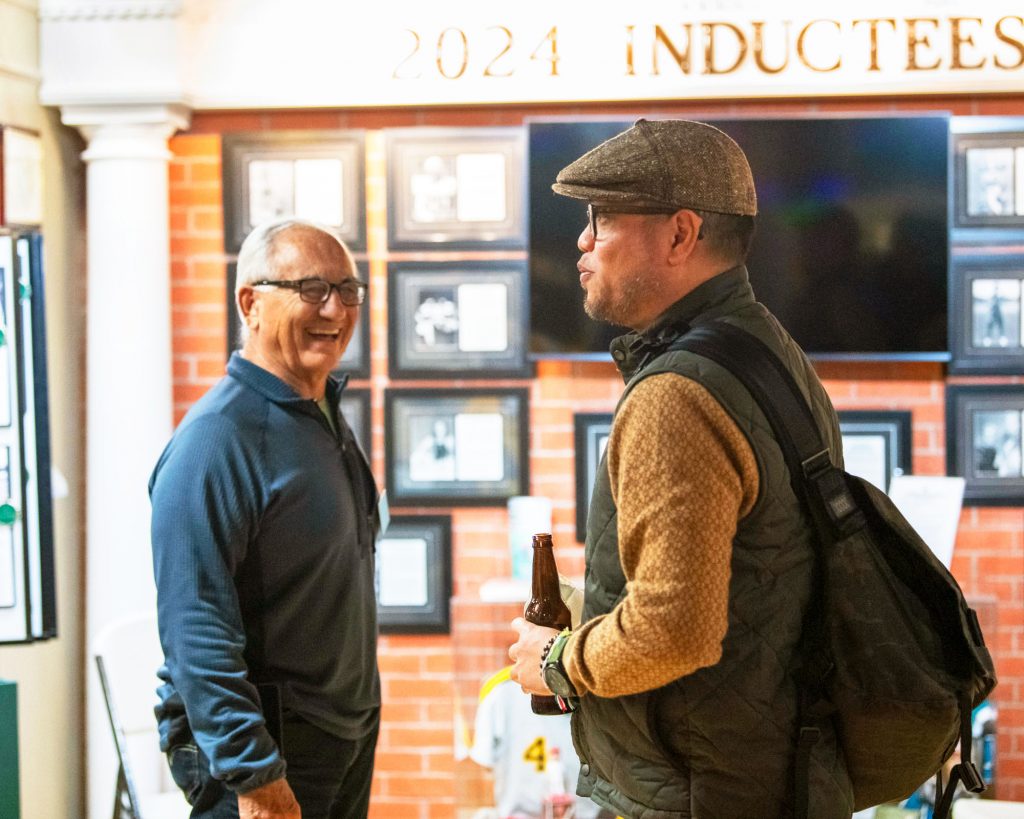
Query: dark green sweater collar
[717, 296]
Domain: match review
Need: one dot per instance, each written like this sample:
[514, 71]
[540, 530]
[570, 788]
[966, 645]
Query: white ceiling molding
[67, 10]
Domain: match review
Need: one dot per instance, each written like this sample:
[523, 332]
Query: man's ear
[687, 225]
[249, 306]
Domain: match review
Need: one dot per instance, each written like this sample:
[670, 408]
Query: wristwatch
[553, 670]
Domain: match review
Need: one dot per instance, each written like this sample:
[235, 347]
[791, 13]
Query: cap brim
[595, 194]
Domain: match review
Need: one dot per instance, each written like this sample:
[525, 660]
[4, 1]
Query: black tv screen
[851, 250]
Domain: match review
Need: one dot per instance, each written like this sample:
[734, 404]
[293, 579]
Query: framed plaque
[457, 187]
[452, 319]
[460, 447]
[988, 173]
[414, 575]
[986, 295]
[984, 441]
[876, 444]
[355, 361]
[315, 175]
[591, 431]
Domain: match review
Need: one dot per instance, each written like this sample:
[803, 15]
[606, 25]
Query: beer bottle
[546, 607]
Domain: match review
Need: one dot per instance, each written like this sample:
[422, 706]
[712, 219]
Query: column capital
[127, 131]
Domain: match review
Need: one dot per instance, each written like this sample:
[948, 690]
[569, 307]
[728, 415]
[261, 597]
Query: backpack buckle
[970, 777]
[830, 493]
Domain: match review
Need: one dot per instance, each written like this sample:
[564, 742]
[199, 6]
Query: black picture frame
[413, 575]
[458, 319]
[456, 447]
[460, 188]
[355, 361]
[986, 294]
[984, 442]
[877, 444]
[317, 175]
[590, 435]
[988, 174]
[354, 406]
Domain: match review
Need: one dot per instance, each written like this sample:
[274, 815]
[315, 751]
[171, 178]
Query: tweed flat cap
[673, 162]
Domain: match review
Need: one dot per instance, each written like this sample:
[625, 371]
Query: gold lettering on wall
[710, 30]
[916, 39]
[873, 28]
[1006, 38]
[759, 48]
[462, 54]
[682, 58]
[801, 50]
[789, 48]
[551, 38]
[957, 39]
[489, 70]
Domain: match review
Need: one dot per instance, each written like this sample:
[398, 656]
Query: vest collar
[717, 296]
[274, 389]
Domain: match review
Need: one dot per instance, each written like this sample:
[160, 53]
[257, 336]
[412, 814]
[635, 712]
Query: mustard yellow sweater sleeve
[682, 476]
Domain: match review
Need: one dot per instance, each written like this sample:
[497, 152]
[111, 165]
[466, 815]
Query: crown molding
[60, 11]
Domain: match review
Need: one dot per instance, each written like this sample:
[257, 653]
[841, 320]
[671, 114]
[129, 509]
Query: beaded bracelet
[546, 651]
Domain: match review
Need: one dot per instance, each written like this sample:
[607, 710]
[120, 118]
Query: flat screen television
[852, 244]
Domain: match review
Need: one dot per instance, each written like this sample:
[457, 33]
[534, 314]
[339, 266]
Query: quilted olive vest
[718, 743]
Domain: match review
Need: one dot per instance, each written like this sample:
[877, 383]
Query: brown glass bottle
[546, 607]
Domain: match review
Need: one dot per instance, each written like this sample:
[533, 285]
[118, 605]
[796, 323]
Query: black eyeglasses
[594, 211]
[318, 291]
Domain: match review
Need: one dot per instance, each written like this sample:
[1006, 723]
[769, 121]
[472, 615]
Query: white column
[128, 376]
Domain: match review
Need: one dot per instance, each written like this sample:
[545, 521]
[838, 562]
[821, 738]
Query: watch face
[555, 679]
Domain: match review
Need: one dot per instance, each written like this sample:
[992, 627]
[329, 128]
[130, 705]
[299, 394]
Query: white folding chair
[127, 654]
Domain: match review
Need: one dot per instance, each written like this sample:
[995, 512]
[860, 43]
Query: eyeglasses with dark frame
[594, 211]
[317, 291]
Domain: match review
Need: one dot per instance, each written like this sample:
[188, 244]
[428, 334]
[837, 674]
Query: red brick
[188, 145]
[420, 737]
[384, 808]
[392, 762]
[432, 787]
[416, 688]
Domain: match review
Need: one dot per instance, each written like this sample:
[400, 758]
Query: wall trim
[65, 11]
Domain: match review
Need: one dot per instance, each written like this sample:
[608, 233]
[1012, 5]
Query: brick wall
[430, 683]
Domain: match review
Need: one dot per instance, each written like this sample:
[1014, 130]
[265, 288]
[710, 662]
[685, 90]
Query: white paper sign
[483, 317]
[932, 506]
[402, 564]
[479, 446]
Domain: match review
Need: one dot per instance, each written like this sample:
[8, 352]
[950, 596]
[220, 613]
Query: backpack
[892, 653]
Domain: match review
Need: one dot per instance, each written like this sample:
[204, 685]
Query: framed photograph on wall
[354, 406]
[591, 431]
[355, 361]
[986, 295]
[414, 575]
[876, 444]
[457, 187]
[316, 175]
[458, 447]
[984, 441]
[988, 178]
[458, 319]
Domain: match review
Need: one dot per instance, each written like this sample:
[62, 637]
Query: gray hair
[255, 257]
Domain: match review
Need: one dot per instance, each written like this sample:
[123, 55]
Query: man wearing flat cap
[699, 559]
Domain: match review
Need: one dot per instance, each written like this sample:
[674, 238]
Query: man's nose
[585, 241]
[334, 306]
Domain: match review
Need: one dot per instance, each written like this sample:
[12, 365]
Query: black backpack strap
[815, 480]
[965, 771]
[819, 486]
